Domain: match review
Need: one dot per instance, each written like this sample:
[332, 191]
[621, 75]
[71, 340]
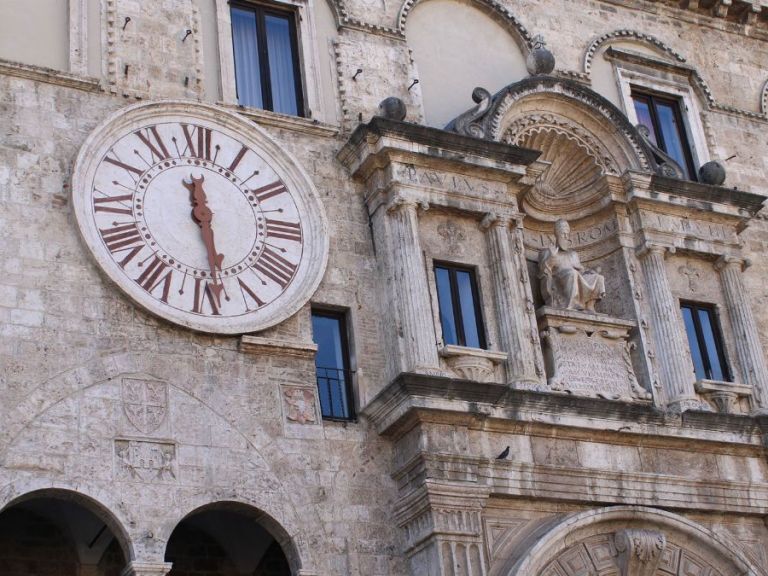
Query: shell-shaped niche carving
[571, 187]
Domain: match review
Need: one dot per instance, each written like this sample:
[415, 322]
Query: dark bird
[503, 455]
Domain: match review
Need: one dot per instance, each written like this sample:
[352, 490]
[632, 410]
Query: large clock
[200, 217]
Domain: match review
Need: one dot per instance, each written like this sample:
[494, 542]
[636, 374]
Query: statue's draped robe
[565, 284]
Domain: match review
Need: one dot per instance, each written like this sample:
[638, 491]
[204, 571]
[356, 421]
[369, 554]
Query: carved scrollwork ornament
[468, 123]
[638, 552]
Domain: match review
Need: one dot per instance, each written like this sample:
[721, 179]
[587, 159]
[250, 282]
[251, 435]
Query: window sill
[285, 121]
[473, 364]
[724, 395]
[49, 76]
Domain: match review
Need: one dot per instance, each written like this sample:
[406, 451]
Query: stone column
[147, 569]
[417, 329]
[747, 338]
[511, 303]
[670, 343]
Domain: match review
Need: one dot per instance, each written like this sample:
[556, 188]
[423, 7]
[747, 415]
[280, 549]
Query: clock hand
[203, 215]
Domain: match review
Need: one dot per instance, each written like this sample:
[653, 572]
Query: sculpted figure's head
[562, 234]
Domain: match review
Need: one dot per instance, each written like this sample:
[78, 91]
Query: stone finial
[638, 551]
[393, 108]
[712, 173]
[539, 60]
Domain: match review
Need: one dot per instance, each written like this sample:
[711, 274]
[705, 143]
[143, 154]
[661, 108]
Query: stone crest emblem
[145, 403]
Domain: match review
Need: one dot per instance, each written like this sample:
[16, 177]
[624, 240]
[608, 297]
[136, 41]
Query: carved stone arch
[625, 541]
[494, 9]
[626, 34]
[581, 134]
[262, 511]
[100, 502]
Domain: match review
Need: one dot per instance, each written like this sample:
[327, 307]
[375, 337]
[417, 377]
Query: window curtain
[281, 61]
[247, 71]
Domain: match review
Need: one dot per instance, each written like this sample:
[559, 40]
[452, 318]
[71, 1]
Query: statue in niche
[565, 283]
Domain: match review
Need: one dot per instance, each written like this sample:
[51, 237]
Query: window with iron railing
[332, 363]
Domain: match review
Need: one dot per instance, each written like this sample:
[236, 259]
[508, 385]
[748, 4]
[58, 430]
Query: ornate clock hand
[203, 216]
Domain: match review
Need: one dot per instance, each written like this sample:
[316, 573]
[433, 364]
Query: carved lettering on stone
[143, 460]
[454, 237]
[145, 403]
[300, 405]
[639, 552]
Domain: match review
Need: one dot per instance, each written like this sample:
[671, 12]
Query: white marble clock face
[200, 217]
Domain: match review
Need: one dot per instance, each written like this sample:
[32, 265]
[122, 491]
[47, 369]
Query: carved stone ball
[712, 173]
[540, 61]
[393, 108]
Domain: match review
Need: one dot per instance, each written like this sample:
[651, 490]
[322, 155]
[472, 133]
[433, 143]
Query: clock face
[200, 217]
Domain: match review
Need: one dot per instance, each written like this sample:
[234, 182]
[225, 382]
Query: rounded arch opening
[458, 45]
[56, 531]
[597, 540]
[231, 539]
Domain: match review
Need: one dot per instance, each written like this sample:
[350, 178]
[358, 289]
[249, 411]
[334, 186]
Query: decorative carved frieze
[144, 461]
[639, 552]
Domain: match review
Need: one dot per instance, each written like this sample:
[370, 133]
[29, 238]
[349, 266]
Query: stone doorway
[55, 533]
[226, 540]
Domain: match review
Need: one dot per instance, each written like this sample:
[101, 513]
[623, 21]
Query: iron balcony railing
[334, 386]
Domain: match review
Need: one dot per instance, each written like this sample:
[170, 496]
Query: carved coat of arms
[145, 403]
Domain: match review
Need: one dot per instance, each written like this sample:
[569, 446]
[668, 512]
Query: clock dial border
[314, 227]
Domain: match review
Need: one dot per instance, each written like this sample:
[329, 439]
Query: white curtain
[281, 59]
[247, 72]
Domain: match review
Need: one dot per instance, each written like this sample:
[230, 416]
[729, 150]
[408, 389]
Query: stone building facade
[591, 401]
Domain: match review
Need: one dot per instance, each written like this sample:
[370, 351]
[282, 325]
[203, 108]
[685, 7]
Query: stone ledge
[285, 121]
[49, 76]
[411, 397]
[273, 347]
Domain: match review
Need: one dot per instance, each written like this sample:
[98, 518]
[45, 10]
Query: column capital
[147, 569]
[727, 261]
[647, 248]
[399, 202]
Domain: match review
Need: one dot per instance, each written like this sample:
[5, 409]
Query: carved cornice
[272, 347]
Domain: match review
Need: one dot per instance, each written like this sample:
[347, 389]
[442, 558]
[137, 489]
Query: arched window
[458, 47]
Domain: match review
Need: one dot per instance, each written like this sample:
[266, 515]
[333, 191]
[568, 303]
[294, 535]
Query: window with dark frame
[459, 303]
[705, 341]
[265, 46]
[332, 365]
[663, 117]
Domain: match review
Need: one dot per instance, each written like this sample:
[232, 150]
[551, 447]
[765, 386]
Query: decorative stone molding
[724, 395]
[147, 569]
[626, 34]
[473, 363]
[639, 552]
[273, 347]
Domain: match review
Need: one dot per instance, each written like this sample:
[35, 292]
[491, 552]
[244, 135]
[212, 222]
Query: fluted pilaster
[747, 341]
[670, 343]
[511, 301]
[416, 321]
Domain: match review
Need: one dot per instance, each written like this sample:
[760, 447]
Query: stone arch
[491, 7]
[261, 513]
[95, 501]
[626, 34]
[638, 539]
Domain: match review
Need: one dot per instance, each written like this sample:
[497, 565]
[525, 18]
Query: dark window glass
[664, 120]
[334, 377]
[266, 59]
[459, 306]
[705, 341]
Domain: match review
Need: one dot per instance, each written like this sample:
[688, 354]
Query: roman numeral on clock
[203, 292]
[274, 266]
[103, 204]
[283, 229]
[154, 275]
[156, 148]
[245, 289]
[122, 237]
[203, 148]
[123, 165]
[268, 191]
[237, 159]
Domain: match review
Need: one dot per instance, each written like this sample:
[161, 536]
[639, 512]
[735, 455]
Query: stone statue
[564, 281]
